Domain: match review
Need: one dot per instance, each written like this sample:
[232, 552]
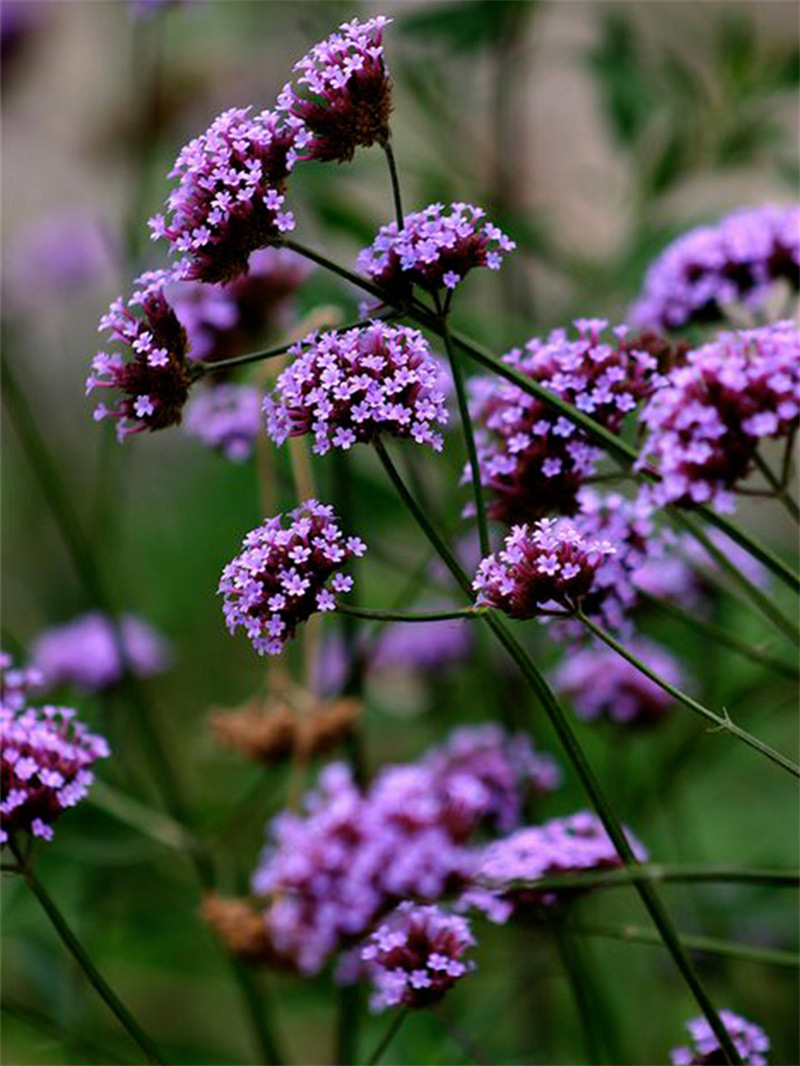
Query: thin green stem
[386, 145]
[463, 1040]
[707, 945]
[778, 489]
[664, 873]
[48, 1027]
[576, 977]
[388, 1037]
[347, 1024]
[722, 723]
[78, 952]
[400, 616]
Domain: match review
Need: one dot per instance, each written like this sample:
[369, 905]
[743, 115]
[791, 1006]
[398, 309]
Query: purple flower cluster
[435, 248]
[85, 652]
[345, 95]
[229, 200]
[708, 419]
[350, 387]
[45, 755]
[226, 418]
[749, 1039]
[544, 569]
[429, 647]
[17, 682]
[601, 684]
[415, 956]
[281, 577]
[154, 381]
[735, 261]
[533, 460]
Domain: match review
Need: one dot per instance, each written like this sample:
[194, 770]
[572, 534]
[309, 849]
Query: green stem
[347, 1025]
[399, 616]
[723, 723]
[778, 489]
[386, 145]
[576, 977]
[705, 944]
[51, 1030]
[388, 1037]
[93, 975]
[775, 878]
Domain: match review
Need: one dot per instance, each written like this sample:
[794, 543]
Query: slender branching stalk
[705, 945]
[387, 1037]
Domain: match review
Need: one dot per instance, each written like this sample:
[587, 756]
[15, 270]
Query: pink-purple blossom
[226, 418]
[749, 1039]
[16, 682]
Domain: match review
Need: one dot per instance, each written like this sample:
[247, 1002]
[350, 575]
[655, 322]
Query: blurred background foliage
[593, 133]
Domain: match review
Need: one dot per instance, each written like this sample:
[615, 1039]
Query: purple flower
[735, 261]
[154, 380]
[749, 1039]
[416, 956]
[85, 652]
[533, 460]
[284, 574]
[542, 569]
[601, 684]
[17, 682]
[349, 387]
[709, 417]
[429, 647]
[229, 198]
[345, 95]
[45, 755]
[435, 248]
[227, 418]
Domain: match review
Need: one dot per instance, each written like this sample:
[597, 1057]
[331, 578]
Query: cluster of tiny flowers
[226, 418]
[542, 569]
[749, 1039]
[576, 844]
[345, 95]
[601, 684]
[17, 682]
[416, 956]
[735, 261]
[45, 755]
[435, 248]
[281, 577]
[428, 647]
[349, 387]
[85, 652]
[154, 380]
[533, 460]
[706, 422]
[229, 198]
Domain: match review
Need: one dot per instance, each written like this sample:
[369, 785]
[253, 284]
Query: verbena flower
[151, 371]
[429, 647]
[416, 955]
[601, 684]
[229, 199]
[350, 387]
[749, 1039]
[85, 652]
[17, 682]
[736, 260]
[435, 248]
[285, 573]
[45, 755]
[706, 422]
[345, 95]
[226, 418]
[542, 569]
[533, 460]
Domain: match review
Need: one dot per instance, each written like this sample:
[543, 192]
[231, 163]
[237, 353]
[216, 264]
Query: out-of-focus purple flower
[229, 199]
[85, 652]
[227, 418]
[17, 682]
[222, 321]
[144, 9]
[576, 844]
[708, 419]
[155, 379]
[350, 387]
[45, 755]
[533, 460]
[735, 261]
[542, 569]
[284, 574]
[749, 1039]
[416, 955]
[429, 647]
[345, 95]
[436, 248]
[601, 684]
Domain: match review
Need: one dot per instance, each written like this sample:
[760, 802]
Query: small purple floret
[749, 1039]
[226, 418]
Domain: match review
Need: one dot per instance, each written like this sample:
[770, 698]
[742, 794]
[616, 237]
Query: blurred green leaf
[627, 93]
[468, 26]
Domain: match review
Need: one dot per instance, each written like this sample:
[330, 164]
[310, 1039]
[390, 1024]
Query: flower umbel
[749, 1039]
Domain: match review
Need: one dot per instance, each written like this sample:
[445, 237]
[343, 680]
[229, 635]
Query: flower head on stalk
[226, 418]
[350, 387]
[286, 573]
[435, 248]
[416, 955]
[737, 260]
[345, 95]
[707, 420]
[749, 1039]
[534, 460]
[229, 200]
[542, 569]
[154, 378]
